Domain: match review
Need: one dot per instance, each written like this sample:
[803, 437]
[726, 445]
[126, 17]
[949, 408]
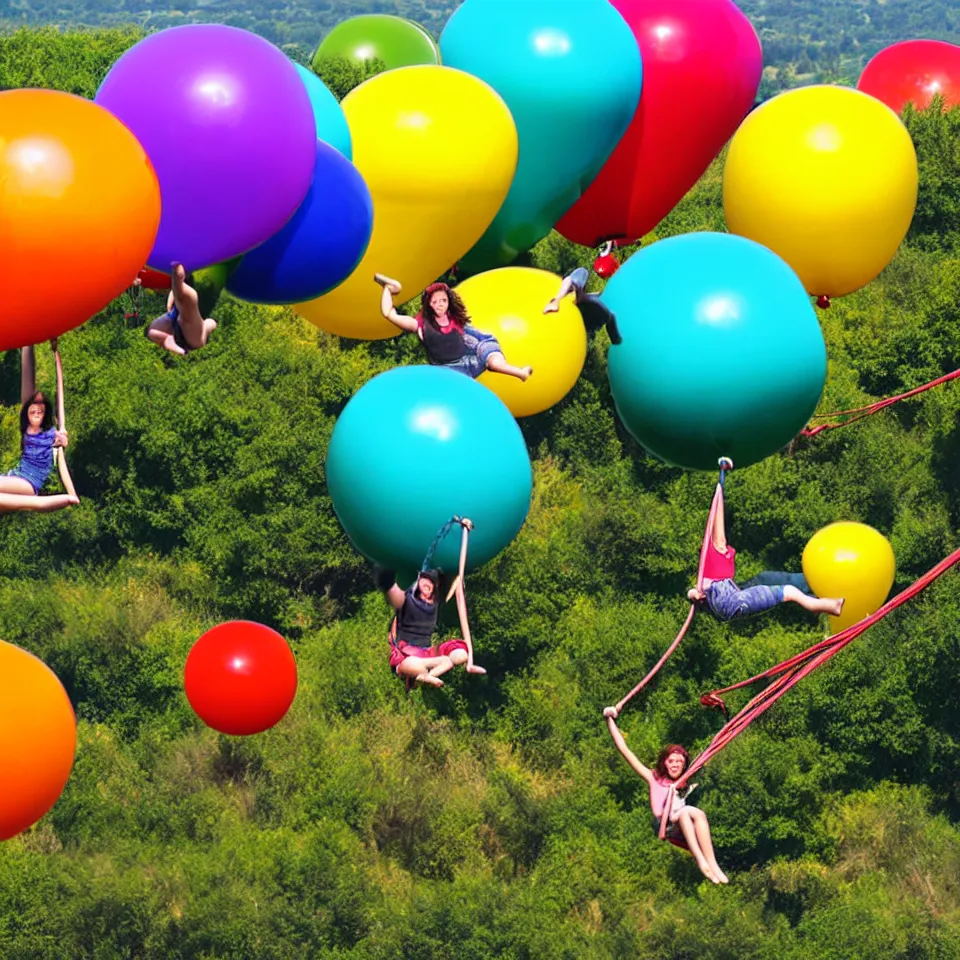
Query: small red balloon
[823, 301]
[154, 279]
[606, 266]
[701, 70]
[914, 71]
[240, 677]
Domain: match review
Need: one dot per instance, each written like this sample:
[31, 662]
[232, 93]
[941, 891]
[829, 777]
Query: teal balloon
[570, 72]
[331, 123]
[378, 36]
[721, 351]
[415, 446]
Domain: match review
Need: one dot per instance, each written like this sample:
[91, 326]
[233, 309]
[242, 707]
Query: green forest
[804, 41]
[492, 818]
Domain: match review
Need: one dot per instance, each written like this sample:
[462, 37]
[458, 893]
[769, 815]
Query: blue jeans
[727, 601]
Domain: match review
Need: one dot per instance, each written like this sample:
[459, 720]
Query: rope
[441, 533]
[704, 546]
[872, 408]
[135, 294]
[793, 670]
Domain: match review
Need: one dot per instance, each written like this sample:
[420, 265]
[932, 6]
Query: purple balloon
[227, 123]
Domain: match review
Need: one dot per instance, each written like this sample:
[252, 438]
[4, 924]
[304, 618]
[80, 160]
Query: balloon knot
[823, 302]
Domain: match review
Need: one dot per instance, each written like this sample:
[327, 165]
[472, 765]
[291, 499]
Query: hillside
[802, 39]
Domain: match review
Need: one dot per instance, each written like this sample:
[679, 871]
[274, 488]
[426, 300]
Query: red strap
[793, 670]
[872, 408]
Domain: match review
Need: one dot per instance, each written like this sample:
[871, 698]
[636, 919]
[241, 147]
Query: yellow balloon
[826, 177]
[509, 304]
[853, 561]
[438, 150]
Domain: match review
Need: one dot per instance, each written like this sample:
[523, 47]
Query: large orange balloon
[79, 212]
[38, 737]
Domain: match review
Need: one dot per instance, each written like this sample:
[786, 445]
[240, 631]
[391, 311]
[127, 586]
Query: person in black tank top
[412, 654]
[446, 332]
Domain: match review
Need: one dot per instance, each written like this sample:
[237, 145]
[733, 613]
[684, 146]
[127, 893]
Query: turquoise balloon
[569, 70]
[331, 123]
[722, 354]
[416, 446]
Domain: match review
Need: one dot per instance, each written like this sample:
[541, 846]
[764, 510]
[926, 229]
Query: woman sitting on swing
[41, 443]
[686, 825]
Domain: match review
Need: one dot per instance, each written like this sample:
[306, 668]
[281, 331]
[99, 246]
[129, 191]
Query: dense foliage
[492, 818]
[803, 40]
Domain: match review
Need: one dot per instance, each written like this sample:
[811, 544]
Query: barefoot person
[182, 328]
[449, 338]
[412, 629]
[683, 820]
[595, 312]
[727, 601]
[41, 444]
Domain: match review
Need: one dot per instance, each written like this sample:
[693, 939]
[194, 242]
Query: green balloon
[395, 41]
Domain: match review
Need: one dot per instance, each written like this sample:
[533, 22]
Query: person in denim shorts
[727, 601]
[449, 338]
[595, 312]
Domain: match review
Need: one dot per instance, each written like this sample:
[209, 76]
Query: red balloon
[606, 266]
[914, 71]
[154, 279]
[701, 71]
[240, 677]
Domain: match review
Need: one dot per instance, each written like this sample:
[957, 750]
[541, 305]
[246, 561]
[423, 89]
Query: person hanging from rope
[412, 628]
[417, 611]
[182, 328]
[41, 444]
[727, 601]
[679, 820]
[595, 312]
[449, 338]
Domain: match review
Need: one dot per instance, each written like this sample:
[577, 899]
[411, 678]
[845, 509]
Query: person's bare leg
[702, 827]
[420, 669]
[10, 502]
[687, 827]
[498, 364]
[553, 305]
[829, 605]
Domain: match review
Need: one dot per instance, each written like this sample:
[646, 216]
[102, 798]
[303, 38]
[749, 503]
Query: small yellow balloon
[853, 561]
[826, 177]
[438, 150]
[508, 303]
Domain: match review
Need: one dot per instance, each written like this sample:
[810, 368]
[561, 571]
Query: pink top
[719, 566]
[658, 795]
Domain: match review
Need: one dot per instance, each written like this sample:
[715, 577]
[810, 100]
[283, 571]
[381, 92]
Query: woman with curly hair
[444, 327]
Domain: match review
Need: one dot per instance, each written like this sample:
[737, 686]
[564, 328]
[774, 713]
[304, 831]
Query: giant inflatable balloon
[853, 561]
[416, 446]
[914, 71]
[70, 175]
[377, 36]
[320, 246]
[701, 70]
[827, 178]
[508, 303]
[240, 678]
[571, 75]
[722, 354]
[227, 122]
[38, 738]
[437, 149]
[331, 124]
